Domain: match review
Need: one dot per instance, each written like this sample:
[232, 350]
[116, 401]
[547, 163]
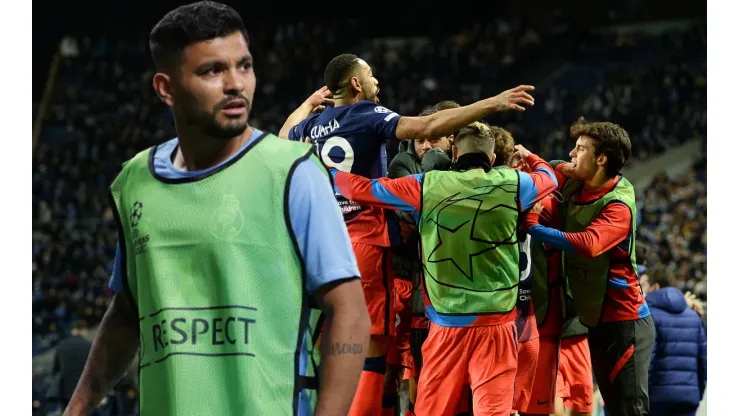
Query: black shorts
[418, 336]
[620, 356]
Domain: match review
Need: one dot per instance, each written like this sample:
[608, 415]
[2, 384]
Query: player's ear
[601, 160]
[454, 153]
[355, 85]
[493, 158]
[163, 88]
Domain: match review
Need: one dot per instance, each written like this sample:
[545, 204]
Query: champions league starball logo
[451, 226]
[136, 212]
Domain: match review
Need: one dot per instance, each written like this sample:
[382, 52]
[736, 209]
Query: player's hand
[568, 169]
[307, 140]
[522, 151]
[513, 99]
[319, 99]
[694, 303]
[536, 208]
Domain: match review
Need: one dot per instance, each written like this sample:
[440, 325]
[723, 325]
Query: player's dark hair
[445, 105]
[661, 275]
[189, 24]
[338, 70]
[610, 139]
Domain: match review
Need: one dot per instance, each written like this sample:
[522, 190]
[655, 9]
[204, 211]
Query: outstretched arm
[403, 193]
[446, 122]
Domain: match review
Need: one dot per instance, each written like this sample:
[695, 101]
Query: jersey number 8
[349, 155]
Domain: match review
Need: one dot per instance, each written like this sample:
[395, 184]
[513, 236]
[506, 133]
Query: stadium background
[642, 66]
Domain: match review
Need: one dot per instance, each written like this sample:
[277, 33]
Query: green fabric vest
[215, 272]
[469, 248]
[587, 278]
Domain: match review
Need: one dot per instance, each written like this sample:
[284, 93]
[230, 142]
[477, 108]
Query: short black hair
[338, 70]
[189, 24]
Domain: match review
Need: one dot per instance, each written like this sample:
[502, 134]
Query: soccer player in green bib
[232, 251]
[597, 239]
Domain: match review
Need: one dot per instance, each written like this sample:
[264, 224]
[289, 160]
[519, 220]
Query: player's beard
[229, 129]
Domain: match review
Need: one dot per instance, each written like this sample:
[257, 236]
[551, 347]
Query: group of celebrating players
[506, 243]
[496, 281]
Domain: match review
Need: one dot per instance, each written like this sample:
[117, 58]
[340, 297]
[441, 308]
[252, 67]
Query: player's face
[421, 146]
[216, 86]
[368, 82]
[584, 157]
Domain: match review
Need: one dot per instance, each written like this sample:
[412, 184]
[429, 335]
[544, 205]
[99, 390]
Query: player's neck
[196, 153]
[342, 100]
[598, 181]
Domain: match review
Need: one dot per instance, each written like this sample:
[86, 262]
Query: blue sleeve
[552, 237]
[528, 191]
[379, 120]
[298, 132]
[319, 228]
[116, 282]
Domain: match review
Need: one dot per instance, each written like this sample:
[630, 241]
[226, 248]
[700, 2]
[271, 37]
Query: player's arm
[560, 166]
[344, 344]
[608, 229]
[402, 194]
[113, 349]
[537, 184]
[332, 277]
[446, 122]
[315, 102]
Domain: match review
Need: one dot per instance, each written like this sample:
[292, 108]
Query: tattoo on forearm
[342, 349]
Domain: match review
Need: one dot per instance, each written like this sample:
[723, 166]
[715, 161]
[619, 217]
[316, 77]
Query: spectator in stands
[69, 361]
[674, 212]
[678, 368]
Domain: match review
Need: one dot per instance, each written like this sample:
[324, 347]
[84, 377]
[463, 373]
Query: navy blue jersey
[352, 138]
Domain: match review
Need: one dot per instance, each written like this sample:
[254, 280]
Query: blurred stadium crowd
[103, 110]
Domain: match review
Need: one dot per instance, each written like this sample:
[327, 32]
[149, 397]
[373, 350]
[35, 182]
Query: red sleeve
[545, 217]
[608, 229]
[542, 175]
[402, 193]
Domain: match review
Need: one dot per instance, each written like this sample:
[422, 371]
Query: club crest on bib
[227, 219]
